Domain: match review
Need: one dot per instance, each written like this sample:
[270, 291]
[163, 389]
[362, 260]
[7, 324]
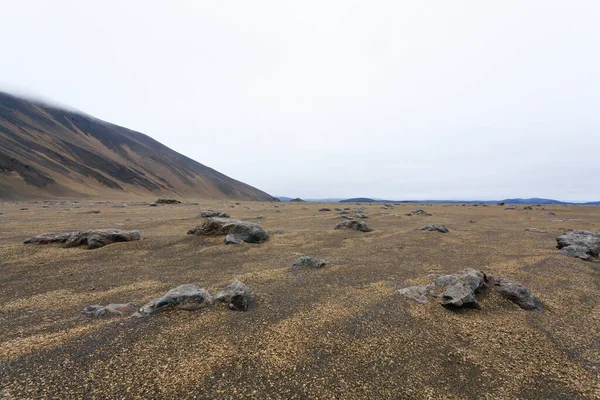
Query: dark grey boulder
[92, 238]
[236, 231]
[153, 205]
[168, 201]
[580, 244]
[527, 208]
[435, 227]
[324, 209]
[307, 261]
[353, 224]
[462, 291]
[500, 203]
[213, 213]
[184, 297]
[236, 295]
[110, 310]
[515, 292]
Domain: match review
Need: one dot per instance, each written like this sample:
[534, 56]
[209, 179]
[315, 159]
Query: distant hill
[47, 152]
[359, 200]
[533, 200]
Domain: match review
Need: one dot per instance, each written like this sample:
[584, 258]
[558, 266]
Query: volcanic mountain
[48, 152]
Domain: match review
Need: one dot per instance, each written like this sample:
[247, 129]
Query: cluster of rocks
[237, 296]
[435, 227]
[353, 224]
[167, 201]
[461, 290]
[213, 213]
[92, 238]
[580, 244]
[419, 212]
[236, 231]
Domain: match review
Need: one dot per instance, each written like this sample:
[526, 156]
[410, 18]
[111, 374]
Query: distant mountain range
[48, 152]
[533, 200]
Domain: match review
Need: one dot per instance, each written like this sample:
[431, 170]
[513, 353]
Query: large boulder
[92, 238]
[435, 227]
[184, 297]
[307, 261]
[110, 310]
[461, 287]
[515, 292]
[353, 224]
[167, 201]
[236, 231]
[236, 295]
[581, 244]
[213, 213]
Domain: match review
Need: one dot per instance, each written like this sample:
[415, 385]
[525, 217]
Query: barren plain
[338, 332]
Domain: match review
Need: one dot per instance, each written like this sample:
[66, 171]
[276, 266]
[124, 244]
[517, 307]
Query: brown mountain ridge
[48, 152]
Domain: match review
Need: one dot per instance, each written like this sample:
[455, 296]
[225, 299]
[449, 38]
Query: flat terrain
[336, 332]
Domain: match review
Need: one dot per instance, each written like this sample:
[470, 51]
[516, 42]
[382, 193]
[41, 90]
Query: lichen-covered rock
[110, 310]
[581, 244]
[168, 201]
[185, 297]
[360, 214]
[236, 231]
[435, 227]
[515, 292]
[213, 213]
[236, 295]
[92, 238]
[353, 224]
[307, 261]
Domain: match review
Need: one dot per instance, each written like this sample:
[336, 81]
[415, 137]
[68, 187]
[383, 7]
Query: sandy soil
[336, 332]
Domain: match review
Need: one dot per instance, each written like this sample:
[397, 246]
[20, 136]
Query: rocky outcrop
[462, 288]
[167, 201]
[92, 238]
[236, 231]
[236, 295]
[110, 310]
[580, 244]
[435, 227]
[352, 224]
[307, 261]
[184, 297]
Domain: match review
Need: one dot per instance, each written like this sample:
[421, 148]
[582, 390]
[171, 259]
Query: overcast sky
[389, 99]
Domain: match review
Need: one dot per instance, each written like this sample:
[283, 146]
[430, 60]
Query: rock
[548, 213]
[346, 217]
[343, 212]
[535, 230]
[95, 211]
[500, 203]
[581, 244]
[111, 310]
[278, 232]
[515, 292]
[420, 212]
[307, 261]
[93, 238]
[435, 227]
[359, 214]
[353, 224]
[1, 213]
[212, 213]
[23, 209]
[184, 297]
[153, 205]
[235, 230]
[324, 209]
[527, 208]
[260, 217]
[237, 296]
[511, 208]
[168, 201]
[462, 287]
[195, 203]
[418, 293]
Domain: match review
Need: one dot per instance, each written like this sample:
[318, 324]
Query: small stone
[307, 261]
[237, 296]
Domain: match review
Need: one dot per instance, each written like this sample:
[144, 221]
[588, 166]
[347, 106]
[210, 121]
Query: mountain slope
[47, 152]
